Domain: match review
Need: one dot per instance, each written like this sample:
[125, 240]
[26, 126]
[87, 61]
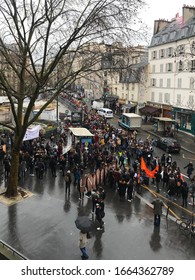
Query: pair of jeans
[84, 253]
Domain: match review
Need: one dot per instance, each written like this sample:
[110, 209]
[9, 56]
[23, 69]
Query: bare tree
[38, 38]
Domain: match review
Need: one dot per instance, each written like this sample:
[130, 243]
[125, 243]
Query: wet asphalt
[42, 226]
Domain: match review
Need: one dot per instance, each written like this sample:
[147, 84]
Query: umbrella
[84, 223]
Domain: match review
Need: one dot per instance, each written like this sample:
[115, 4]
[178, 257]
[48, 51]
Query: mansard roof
[174, 31]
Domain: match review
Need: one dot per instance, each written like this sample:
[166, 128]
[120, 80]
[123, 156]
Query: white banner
[32, 133]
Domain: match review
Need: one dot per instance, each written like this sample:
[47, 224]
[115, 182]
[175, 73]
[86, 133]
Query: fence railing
[11, 251]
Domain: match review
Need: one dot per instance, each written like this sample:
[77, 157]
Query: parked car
[105, 112]
[170, 145]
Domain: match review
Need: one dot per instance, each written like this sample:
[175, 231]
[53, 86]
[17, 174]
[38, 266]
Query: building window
[153, 82]
[178, 99]
[162, 53]
[154, 55]
[161, 83]
[160, 97]
[161, 68]
[180, 65]
[153, 68]
[192, 48]
[167, 98]
[172, 35]
[192, 81]
[181, 49]
[168, 83]
[192, 65]
[164, 38]
[122, 85]
[127, 86]
[169, 67]
[133, 86]
[169, 52]
[132, 97]
[179, 83]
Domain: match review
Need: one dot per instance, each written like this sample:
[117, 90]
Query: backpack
[67, 179]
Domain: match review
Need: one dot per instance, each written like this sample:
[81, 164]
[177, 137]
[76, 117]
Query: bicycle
[186, 226]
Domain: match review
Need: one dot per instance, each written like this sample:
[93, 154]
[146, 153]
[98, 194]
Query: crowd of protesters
[111, 160]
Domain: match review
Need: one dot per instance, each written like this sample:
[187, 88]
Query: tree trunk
[12, 188]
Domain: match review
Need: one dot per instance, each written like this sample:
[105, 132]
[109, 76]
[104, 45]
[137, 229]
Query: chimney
[159, 25]
[188, 12]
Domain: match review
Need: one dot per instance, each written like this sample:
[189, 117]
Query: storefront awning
[80, 131]
[150, 110]
[111, 97]
[164, 119]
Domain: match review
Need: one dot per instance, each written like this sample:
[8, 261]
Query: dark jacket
[158, 204]
[158, 176]
[184, 190]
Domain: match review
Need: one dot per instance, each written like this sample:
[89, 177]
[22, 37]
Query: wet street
[42, 226]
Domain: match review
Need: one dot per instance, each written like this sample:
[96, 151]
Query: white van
[105, 112]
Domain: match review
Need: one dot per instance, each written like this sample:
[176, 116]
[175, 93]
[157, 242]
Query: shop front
[185, 119]
[150, 111]
[167, 111]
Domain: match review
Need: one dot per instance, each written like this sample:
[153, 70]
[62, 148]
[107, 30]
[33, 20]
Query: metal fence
[12, 252]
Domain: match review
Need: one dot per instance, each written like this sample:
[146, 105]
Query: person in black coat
[98, 213]
[122, 188]
[172, 188]
[130, 189]
[190, 168]
[158, 180]
[165, 178]
[52, 165]
[184, 194]
[157, 210]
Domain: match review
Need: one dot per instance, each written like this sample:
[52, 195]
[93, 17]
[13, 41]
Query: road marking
[188, 157]
[155, 194]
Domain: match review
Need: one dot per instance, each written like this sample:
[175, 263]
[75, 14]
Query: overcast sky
[164, 9]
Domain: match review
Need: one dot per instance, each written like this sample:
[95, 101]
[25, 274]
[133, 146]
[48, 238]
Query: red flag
[149, 173]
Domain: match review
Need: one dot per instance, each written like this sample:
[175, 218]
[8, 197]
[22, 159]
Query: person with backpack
[68, 181]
